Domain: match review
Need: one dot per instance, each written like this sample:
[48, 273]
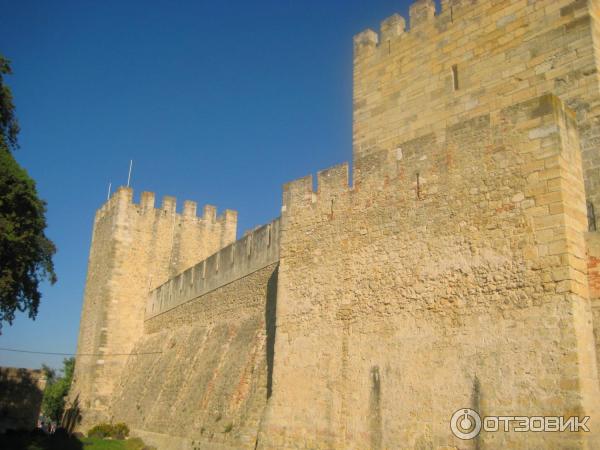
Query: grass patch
[103, 444]
[112, 444]
[41, 441]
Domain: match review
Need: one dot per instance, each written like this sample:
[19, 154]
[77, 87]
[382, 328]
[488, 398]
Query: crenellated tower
[417, 77]
[135, 248]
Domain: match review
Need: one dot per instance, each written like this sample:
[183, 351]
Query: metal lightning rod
[129, 176]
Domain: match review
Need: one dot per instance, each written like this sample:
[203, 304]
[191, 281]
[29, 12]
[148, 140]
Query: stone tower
[135, 248]
[470, 58]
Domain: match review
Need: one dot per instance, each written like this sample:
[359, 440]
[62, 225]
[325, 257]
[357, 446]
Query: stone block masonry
[460, 269]
[467, 288]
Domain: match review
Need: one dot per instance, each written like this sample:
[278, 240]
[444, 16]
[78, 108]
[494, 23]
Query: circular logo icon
[465, 424]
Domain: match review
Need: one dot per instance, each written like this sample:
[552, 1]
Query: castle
[461, 269]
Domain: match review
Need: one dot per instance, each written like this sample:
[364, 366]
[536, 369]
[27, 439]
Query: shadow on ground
[38, 440]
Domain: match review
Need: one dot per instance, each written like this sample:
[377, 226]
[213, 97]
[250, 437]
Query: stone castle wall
[135, 248]
[213, 329]
[209, 385]
[456, 271]
[254, 251]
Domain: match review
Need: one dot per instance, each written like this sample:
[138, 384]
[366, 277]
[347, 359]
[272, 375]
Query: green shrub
[117, 431]
[100, 431]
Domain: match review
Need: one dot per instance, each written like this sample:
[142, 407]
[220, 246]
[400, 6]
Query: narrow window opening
[418, 187]
[455, 77]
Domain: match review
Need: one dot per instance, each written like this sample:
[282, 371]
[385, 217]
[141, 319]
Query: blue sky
[218, 102]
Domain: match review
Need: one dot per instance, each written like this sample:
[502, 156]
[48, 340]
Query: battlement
[424, 17]
[331, 183]
[252, 252]
[422, 14]
[123, 198]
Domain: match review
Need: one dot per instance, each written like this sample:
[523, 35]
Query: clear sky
[220, 102]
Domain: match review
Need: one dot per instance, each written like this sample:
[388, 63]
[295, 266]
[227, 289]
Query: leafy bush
[115, 431]
[119, 431]
[57, 389]
[101, 431]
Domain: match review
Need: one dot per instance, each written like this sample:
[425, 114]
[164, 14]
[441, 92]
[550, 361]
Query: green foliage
[53, 403]
[100, 431]
[117, 431]
[9, 127]
[120, 431]
[25, 251]
[49, 372]
[64, 441]
[101, 444]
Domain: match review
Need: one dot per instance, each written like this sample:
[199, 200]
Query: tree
[25, 251]
[53, 403]
[49, 372]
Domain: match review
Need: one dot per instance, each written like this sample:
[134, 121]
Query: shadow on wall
[20, 398]
[375, 421]
[270, 323]
[72, 416]
[21, 393]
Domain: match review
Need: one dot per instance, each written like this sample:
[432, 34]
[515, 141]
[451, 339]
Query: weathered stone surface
[449, 293]
[135, 248]
[208, 387]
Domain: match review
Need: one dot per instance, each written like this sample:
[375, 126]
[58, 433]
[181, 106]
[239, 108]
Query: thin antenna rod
[108, 194]
[129, 176]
